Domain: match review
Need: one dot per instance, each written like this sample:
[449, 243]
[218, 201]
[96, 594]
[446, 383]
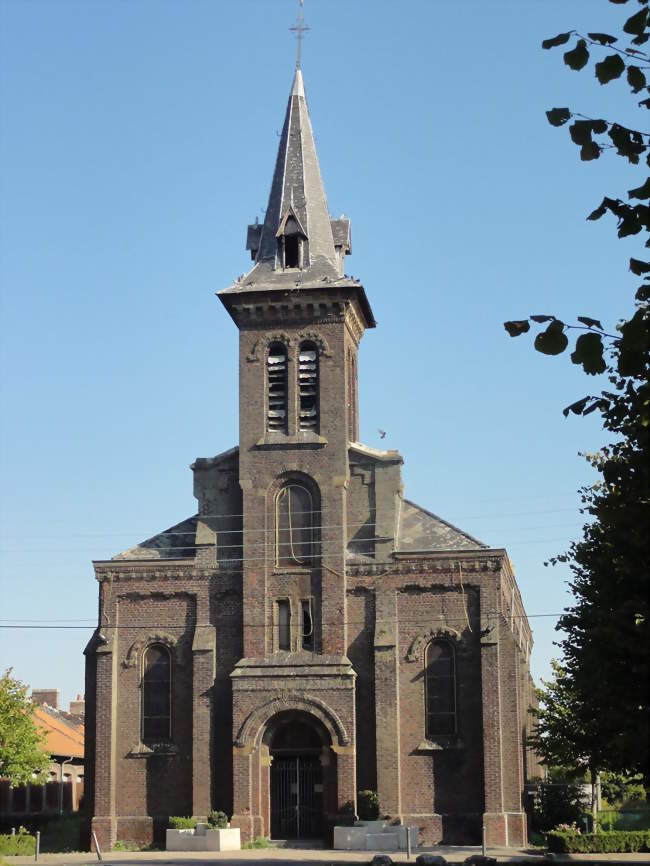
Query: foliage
[217, 820]
[19, 844]
[368, 805]
[181, 822]
[257, 842]
[122, 845]
[21, 755]
[61, 834]
[606, 663]
[557, 803]
[624, 820]
[562, 842]
[620, 788]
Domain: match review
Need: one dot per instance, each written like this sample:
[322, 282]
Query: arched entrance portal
[300, 774]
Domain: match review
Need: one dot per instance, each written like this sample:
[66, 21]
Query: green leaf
[598, 212]
[589, 151]
[636, 24]
[602, 38]
[610, 68]
[590, 323]
[643, 293]
[578, 57]
[640, 192]
[576, 407]
[560, 39]
[552, 341]
[580, 132]
[589, 353]
[517, 328]
[599, 126]
[540, 319]
[645, 103]
[625, 143]
[638, 267]
[558, 116]
[635, 78]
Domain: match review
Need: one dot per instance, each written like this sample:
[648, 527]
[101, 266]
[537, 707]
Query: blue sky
[138, 141]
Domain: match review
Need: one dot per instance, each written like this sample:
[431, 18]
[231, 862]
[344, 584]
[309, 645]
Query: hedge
[20, 843]
[181, 822]
[616, 842]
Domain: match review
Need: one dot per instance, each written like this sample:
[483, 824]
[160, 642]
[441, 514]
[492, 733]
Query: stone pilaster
[203, 672]
[387, 702]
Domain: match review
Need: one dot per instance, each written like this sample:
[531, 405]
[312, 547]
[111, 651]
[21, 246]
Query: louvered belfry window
[308, 386]
[276, 371]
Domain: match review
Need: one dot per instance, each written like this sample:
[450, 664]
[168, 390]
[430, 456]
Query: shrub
[258, 842]
[181, 822]
[557, 803]
[616, 842]
[368, 805]
[217, 820]
[122, 845]
[21, 843]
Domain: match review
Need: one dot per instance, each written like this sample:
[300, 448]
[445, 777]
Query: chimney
[46, 696]
[77, 708]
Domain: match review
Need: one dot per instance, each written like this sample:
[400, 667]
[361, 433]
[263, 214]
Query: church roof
[297, 184]
[177, 542]
[422, 532]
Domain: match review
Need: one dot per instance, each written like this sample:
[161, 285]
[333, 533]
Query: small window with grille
[276, 372]
[308, 386]
[284, 624]
[307, 625]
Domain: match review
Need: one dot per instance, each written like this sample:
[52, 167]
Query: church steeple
[297, 203]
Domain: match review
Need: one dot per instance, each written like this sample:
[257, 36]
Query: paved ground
[313, 856]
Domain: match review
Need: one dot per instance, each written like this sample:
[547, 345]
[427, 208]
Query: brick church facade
[310, 632]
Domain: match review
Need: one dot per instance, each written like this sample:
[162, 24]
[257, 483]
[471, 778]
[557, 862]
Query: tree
[567, 731]
[606, 648]
[21, 753]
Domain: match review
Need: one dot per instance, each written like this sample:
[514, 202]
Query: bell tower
[300, 320]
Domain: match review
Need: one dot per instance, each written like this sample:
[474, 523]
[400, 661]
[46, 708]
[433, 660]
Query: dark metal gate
[296, 797]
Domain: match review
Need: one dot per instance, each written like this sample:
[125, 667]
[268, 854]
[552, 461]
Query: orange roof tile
[61, 737]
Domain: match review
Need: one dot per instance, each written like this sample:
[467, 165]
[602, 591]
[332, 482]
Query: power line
[51, 624]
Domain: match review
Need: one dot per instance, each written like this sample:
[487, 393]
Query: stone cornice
[158, 569]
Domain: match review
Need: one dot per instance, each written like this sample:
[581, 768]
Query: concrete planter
[203, 839]
[374, 836]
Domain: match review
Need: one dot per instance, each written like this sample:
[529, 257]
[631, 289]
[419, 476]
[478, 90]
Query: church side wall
[441, 781]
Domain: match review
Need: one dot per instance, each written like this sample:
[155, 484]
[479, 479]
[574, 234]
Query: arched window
[156, 694]
[440, 688]
[276, 387]
[308, 386]
[294, 526]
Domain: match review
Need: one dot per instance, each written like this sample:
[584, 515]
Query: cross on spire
[299, 28]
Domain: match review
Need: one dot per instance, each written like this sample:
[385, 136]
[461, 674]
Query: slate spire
[297, 190]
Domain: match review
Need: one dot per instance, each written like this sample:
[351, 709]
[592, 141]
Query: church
[309, 632]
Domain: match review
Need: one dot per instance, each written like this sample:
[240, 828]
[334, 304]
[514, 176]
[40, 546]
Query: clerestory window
[294, 526]
[276, 388]
[440, 688]
[308, 386]
[156, 694]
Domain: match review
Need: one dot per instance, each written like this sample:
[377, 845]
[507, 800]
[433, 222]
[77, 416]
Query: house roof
[64, 732]
[177, 542]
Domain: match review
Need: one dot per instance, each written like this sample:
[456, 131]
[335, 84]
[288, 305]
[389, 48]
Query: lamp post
[62, 765]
